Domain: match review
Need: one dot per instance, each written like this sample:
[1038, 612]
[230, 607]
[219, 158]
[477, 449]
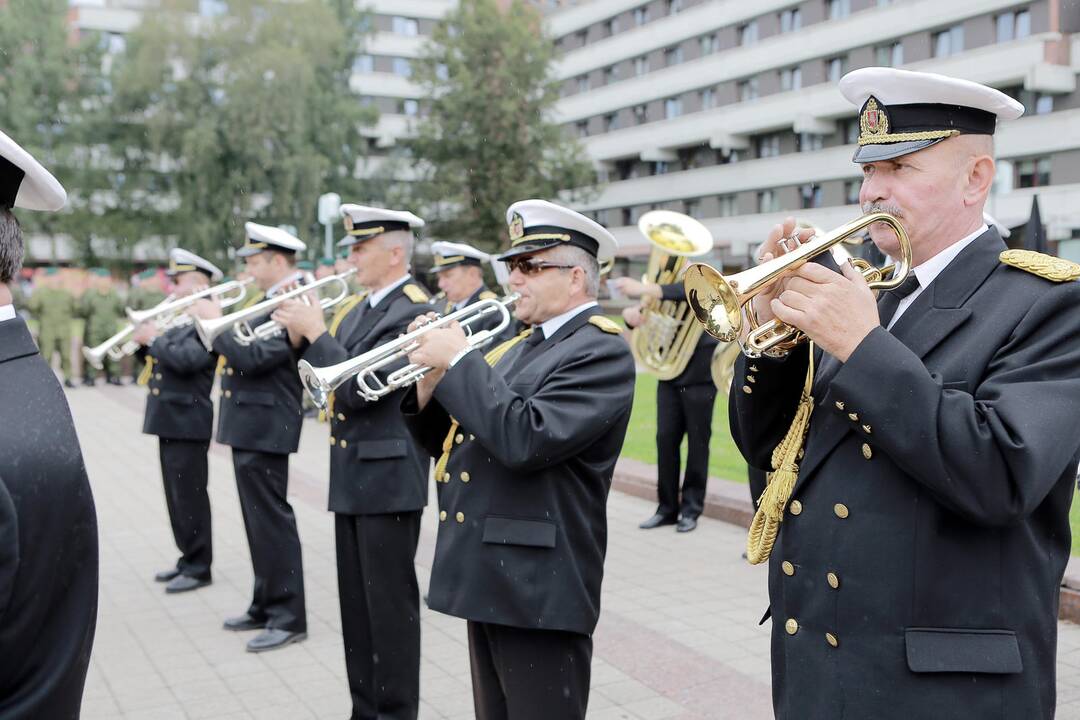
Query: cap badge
[348, 222]
[874, 121]
[517, 227]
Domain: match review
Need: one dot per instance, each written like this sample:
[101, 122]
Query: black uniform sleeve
[257, 358]
[760, 419]
[673, 291]
[182, 352]
[575, 404]
[991, 453]
[428, 426]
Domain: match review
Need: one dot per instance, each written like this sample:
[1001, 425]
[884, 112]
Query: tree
[488, 138]
[247, 116]
[48, 86]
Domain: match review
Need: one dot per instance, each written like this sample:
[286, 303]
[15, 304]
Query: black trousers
[527, 674]
[262, 480]
[184, 474]
[683, 410]
[380, 612]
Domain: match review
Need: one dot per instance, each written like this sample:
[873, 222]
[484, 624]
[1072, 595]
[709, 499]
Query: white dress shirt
[930, 269]
[377, 297]
[7, 312]
[550, 327]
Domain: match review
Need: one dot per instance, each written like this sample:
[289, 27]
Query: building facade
[729, 111]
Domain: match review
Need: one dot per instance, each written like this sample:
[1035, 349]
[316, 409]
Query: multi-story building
[729, 111]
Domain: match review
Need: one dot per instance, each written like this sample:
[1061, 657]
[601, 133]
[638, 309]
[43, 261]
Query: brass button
[332, 440]
[751, 379]
[839, 405]
[459, 438]
[834, 581]
[866, 429]
[344, 443]
[446, 477]
[471, 437]
[753, 368]
[791, 626]
[156, 391]
[229, 371]
[747, 389]
[442, 515]
[228, 393]
[867, 452]
[795, 507]
[788, 568]
[841, 510]
[341, 417]
[157, 376]
[831, 639]
[465, 477]
[853, 417]
[460, 517]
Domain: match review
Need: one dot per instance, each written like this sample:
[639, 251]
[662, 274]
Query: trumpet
[722, 304]
[164, 313]
[209, 329]
[319, 382]
[115, 348]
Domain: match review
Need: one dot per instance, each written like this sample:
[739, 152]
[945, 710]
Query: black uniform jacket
[260, 394]
[699, 369]
[178, 406]
[523, 525]
[48, 540]
[375, 467]
[928, 531]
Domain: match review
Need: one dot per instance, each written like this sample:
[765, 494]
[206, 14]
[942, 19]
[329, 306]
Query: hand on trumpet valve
[783, 238]
[302, 319]
[204, 308]
[835, 311]
[437, 347]
[145, 333]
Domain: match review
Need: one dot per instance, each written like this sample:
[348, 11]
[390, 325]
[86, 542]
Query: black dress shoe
[686, 524]
[272, 639]
[244, 622]
[88, 382]
[69, 384]
[166, 575]
[656, 521]
[114, 381]
[184, 583]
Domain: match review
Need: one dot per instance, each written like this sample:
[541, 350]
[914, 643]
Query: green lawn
[1074, 520]
[725, 461]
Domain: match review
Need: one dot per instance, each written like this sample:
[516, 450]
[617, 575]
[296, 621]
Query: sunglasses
[529, 267]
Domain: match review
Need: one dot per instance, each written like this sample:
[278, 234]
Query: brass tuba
[722, 304]
[668, 333]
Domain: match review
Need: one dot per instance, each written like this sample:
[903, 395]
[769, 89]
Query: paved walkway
[678, 635]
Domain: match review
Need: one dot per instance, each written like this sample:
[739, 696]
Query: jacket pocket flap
[381, 449]
[962, 650]
[250, 397]
[179, 398]
[510, 531]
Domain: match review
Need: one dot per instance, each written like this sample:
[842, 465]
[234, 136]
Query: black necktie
[529, 346]
[890, 299]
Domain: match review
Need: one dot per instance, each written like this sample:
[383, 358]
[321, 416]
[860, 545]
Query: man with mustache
[922, 545]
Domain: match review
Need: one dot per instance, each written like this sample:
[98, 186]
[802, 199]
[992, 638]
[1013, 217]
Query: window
[791, 78]
[583, 83]
[410, 107]
[611, 27]
[641, 65]
[672, 56]
[708, 99]
[692, 208]
[402, 67]
[767, 201]
[674, 6]
[835, 68]
[851, 191]
[1043, 104]
[851, 131]
[790, 20]
[582, 128]
[611, 74]
[747, 89]
[113, 43]
[709, 44]
[948, 42]
[405, 26]
[810, 195]
[891, 55]
[641, 15]
[672, 108]
[363, 64]
[660, 167]
[748, 33]
[602, 217]
[581, 37]
[767, 145]
[727, 206]
[627, 216]
[836, 9]
[1013, 25]
[1033, 102]
[212, 8]
[641, 115]
[809, 142]
[611, 122]
[1033, 173]
[442, 71]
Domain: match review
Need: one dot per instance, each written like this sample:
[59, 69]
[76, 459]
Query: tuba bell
[666, 338]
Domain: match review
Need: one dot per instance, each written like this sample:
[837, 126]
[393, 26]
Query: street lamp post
[329, 210]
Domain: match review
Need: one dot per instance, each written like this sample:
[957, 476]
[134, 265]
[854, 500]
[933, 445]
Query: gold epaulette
[488, 295]
[1047, 267]
[606, 324]
[414, 293]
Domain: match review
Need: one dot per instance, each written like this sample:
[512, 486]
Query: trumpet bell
[714, 302]
[675, 233]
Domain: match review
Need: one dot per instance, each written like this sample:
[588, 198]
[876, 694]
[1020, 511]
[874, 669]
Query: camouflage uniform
[103, 310]
[54, 308]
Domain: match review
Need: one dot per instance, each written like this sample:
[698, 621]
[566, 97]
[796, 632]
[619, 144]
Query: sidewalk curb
[730, 502]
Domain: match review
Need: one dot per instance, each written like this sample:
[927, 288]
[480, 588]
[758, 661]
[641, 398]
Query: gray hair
[573, 255]
[11, 246]
[399, 238]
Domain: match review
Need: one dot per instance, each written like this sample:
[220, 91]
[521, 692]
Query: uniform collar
[930, 269]
[379, 295]
[469, 300]
[552, 326]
